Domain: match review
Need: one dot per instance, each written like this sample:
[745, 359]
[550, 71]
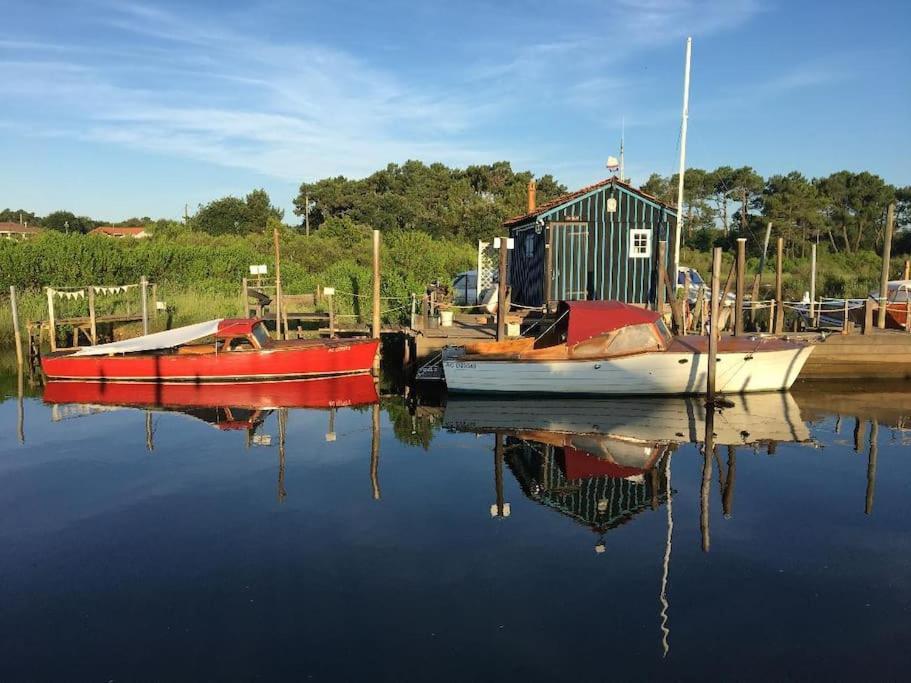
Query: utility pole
[682, 167]
[186, 214]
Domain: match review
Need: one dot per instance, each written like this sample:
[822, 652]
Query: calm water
[199, 543]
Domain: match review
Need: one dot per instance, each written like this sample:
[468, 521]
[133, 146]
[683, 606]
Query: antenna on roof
[622, 133]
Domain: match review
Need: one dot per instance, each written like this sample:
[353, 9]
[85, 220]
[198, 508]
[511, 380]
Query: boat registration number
[464, 366]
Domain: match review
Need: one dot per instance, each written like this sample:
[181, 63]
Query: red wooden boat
[227, 350]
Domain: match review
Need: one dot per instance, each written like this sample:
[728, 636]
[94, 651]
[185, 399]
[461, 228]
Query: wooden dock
[884, 354]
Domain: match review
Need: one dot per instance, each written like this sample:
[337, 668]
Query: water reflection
[596, 487]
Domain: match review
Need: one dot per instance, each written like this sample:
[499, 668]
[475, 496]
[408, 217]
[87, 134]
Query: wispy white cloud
[213, 91]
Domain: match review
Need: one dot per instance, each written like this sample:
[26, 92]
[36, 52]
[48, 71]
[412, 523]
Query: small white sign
[161, 306]
[259, 270]
[328, 291]
[510, 242]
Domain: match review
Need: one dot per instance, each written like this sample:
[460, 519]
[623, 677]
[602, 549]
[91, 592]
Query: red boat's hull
[329, 392]
[284, 360]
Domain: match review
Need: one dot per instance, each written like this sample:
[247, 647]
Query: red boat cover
[236, 327]
[581, 465]
[589, 319]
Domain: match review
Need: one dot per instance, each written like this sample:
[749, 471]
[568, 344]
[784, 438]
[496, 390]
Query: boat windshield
[261, 335]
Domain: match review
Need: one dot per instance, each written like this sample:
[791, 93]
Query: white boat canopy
[151, 342]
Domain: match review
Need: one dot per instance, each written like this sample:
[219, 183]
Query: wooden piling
[51, 319]
[741, 279]
[93, 323]
[17, 334]
[244, 299]
[502, 310]
[713, 328]
[278, 284]
[144, 303]
[155, 312]
[868, 316]
[330, 299]
[779, 259]
[812, 282]
[659, 295]
[906, 272]
[887, 256]
[376, 285]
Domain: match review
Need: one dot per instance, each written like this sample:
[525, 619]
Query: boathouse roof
[557, 203]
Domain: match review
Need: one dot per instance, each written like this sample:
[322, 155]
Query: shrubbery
[184, 261]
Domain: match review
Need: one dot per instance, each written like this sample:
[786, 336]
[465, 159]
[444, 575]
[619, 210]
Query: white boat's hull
[655, 374]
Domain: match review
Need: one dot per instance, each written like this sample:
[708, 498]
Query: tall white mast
[680, 172]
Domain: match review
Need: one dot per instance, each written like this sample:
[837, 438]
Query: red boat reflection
[330, 392]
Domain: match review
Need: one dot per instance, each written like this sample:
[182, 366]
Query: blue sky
[119, 108]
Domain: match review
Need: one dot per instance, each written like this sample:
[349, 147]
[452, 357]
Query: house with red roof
[17, 231]
[136, 232]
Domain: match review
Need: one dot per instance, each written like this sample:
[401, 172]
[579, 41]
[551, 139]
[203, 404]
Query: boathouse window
[529, 244]
[640, 243]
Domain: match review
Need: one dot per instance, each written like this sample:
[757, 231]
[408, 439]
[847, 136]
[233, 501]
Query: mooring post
[244, 299]
[375, 453]
[376, 284]
[279, 304]
[502, 310]
[812, 283]
[93, 323]
[887, 256]
[741, 278]
[51, 320]
[845, 323]
[659, 268]
[414, 309]
[155, 312]
[906, 272]
[330, 298]
[779, 259]
[144, 293]
[868, 316]
[713, 328]
[17, 334]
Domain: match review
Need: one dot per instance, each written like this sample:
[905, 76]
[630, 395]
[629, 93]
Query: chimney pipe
[532, 195]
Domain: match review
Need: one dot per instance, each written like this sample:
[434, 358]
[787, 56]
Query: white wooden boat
[611, 348]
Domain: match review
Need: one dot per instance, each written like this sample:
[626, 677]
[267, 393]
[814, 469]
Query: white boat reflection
[601, 426]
